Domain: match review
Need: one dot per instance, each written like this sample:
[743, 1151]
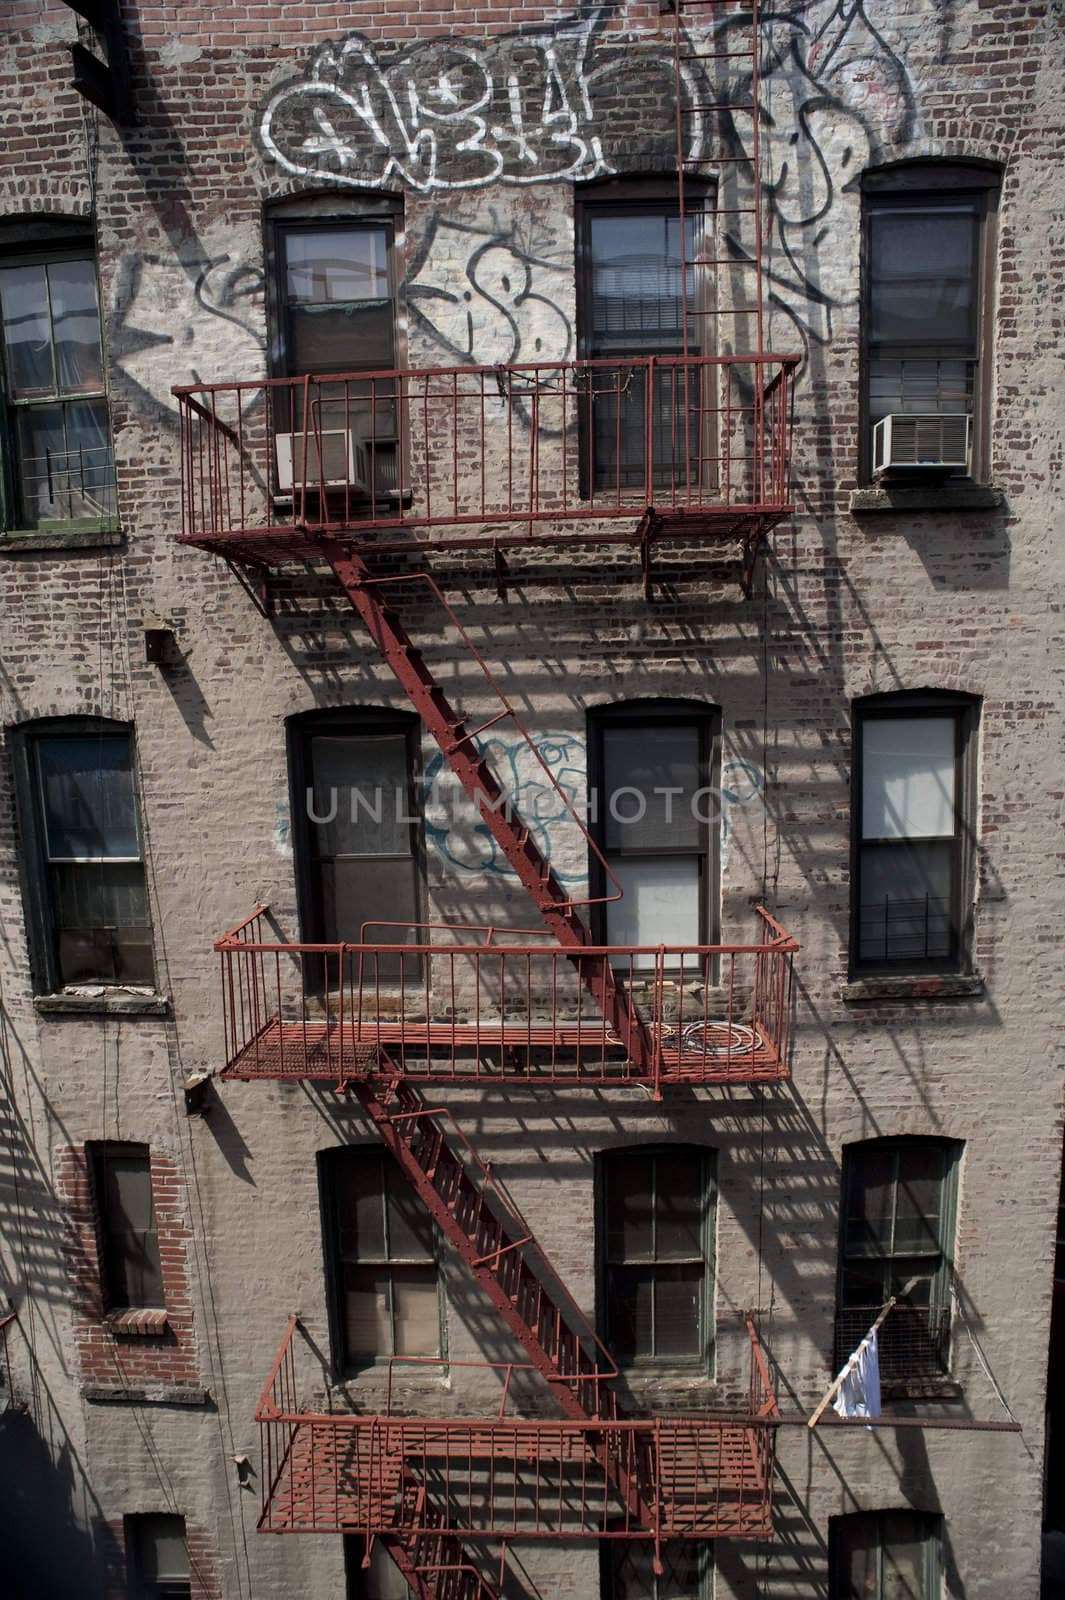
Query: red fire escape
[277, 472]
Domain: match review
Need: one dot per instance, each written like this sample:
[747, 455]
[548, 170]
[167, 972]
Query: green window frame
[85, 888]
[656, 1212]
[885, 1555]
[57, 463]
[897, 1222]
[382, 1262]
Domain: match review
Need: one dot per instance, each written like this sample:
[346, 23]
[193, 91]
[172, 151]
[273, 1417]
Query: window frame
[649, 197]
[44, 242]
[941, 1282]
[350, 722]
[882, 1520]
[704, 1362]
[913, 185]
[916, 705]
[99, 1153]
[38, 897]
[658, 713]
[138, 1584]
[349, 1365]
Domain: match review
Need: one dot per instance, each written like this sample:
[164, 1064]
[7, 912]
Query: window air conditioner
[924, 442]
[334, 460]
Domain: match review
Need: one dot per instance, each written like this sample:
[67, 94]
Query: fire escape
[354, 471]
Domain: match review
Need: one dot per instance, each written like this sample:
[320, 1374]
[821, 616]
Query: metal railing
[458, 1011]
[688, 437]
[663, 1477]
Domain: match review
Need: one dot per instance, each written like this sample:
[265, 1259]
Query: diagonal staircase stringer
[459, 750]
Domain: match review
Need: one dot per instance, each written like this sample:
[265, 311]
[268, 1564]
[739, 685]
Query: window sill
[936, 1386]
[156, 1394]
[102, 1002]
[914, 986]
[896, 497]
[20, 541]
[142, 1324]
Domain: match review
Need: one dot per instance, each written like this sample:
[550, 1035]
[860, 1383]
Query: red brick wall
[203, 1563]
[116, 1360]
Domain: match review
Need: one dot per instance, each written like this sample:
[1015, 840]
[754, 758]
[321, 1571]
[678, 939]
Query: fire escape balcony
[503, 1006]
[679, 1476]
[545, 453]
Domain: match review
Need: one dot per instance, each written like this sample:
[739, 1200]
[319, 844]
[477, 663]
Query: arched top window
[914, 825]
[656, 1215]
[85, 889]
[927, 271]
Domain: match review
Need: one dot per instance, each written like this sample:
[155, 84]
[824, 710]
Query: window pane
[127, 1193]
[636, 282]
[27, 342]
[337, 266]
[633, 1576]
[922, 275]
[651, 760]
[359, 1205]
[630, 1292]
[65, 462]
[908, 777]
[679, 1188]
[87, 794]
[367, 1325]
[417, 1311]
[360, 782]
[661, 904]
[630, 1234]
[134, 1273]
[907, 902]
[159, 1548]
[678, 1310]
[100, 894]
[914, 385]
[325, 339]
[371, 892]
[382, 1580]
[76, 327]
[410, 1227]
[871, 1195]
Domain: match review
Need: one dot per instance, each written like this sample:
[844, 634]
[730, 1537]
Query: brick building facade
[184, 682]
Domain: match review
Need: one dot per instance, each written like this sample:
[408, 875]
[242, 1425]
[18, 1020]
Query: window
[627, 1569]
[885, 1555]
[928, 259]
[632, 283]
[913, 807]
[130, 1265]
[381, 1264]
[58, 462]
[899, 1199]
[358, 831]
[656, 1228]
[334, 300]
[655, 821]
[381, 1580]
[157, 1558]
[85, 889]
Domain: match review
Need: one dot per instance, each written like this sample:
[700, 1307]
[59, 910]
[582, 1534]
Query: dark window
[87, 898]
[656, 1228]
[334, 298]
[129, 1245]
[627, 1569]
[358, 832]
[885, 1555]
[58, 461]
[913, 805]
[157, 1558]
[380, 1259]
[927, 262]
[381, 1580]
[632, 304]
[899, 1200]
[656, 822]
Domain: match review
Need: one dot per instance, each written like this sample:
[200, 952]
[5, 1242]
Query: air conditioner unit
[938, 443]
[334, 459]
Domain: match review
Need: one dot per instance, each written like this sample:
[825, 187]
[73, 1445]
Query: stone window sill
[924, 986]
[142, 1323]
[102, 1002]
[156, 1394]
[22, 541]
[896, 497]
[934, 1387]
